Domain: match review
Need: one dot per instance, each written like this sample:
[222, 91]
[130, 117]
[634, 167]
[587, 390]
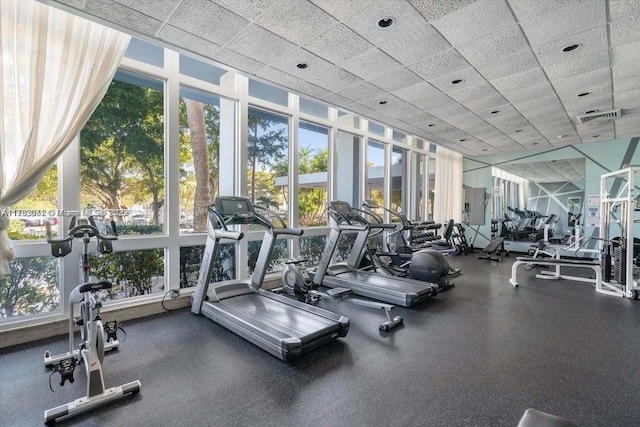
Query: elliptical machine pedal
[297, 282]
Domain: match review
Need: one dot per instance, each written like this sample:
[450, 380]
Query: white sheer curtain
[447, 202]
[55, 69]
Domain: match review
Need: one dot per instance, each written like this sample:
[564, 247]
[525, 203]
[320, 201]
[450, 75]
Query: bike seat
[95, 286]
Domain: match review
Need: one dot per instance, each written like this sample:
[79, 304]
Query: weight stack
[620, 266]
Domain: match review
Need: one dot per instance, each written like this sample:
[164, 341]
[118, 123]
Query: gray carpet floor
[476, 355]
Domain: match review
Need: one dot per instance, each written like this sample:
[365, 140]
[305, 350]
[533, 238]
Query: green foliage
[45, 195]
[191, 260]
[266, 145]
[32, 287]
[278, 256]
[122, 149]
[130, 229]
[132, 272]
[311, 248]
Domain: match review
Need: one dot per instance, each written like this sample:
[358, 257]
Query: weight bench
[492, 248]
[559, 263]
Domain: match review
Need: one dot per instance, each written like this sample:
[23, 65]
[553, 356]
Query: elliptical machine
[91, 350]
[427, 265]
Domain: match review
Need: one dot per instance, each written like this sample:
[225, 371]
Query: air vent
[601, 115]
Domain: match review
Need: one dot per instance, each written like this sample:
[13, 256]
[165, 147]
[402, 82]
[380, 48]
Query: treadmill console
[343, 208]
[235, 210]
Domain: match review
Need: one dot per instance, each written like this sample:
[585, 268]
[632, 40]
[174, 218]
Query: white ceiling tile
[505, 42]
[338, 44]
[626, 70]
[125, 16]
[409, 38]
[159, 9]
[397, 80]
[580, 83]
[250, 9]
[371, 64]
[508, 65]
[238, 61]
[579, 65]
[525, 105]
[484, 102]
[341, 9]
[260, 44]
[623, 53]
[288, 63]
[564, 22]
[591, 43]
[625, 30]
[434, 100]
[469, 77]
[626, 84]
[362, 91]
[199, 17]
[529, 92]
[338, 100]
[195, 44]
[297, 21]
[581, 106]
[474, 21]
[528, 9]
[627, 99]
[434, 9]
[528, 78]
[621, 9]
[417, 91]
[442, 63]
[421, 117]
[444, 113]
[335, 79]
[469, 93]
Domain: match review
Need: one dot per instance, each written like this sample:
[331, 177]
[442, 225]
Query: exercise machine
[395, 290]
[619, 222]
[297, 282]
[495, 246]
[91, 350]
[282, 326]
[426, 264]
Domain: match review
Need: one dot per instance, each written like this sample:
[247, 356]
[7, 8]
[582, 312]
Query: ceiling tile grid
[504, 55]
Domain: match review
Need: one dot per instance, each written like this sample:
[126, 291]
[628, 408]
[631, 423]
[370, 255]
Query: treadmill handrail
[288, 231]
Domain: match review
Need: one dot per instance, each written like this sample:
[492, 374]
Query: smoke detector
[600, 115]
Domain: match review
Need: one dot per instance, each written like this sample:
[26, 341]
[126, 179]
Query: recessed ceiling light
[518, 130]
[561, 136]
[456, 81]
[302, 65]
[553, 161]
[463, 140]
[591, 111]
[595, 136]
[382, 102]
[570, 48]
[535, 143]
[385, 22]
[495, 111]
[584, 94]
[484, 149]
[430, 125]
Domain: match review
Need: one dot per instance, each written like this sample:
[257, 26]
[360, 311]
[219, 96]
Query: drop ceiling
[517, 88]
[570, 170]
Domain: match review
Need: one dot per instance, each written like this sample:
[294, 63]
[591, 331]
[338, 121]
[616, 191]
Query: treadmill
[395, 290]
[282, 326]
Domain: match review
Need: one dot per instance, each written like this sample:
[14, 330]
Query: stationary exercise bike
[92, 348]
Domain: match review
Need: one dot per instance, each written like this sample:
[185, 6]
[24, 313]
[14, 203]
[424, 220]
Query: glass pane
[268, 160]
[398, 181]
[433, 148]
[348, 169]
[191, 259]
[419, 144]
[122, 154]
[143, 51]
[420, 174]
[399, 136]
[201, 70]
[314, 108]
[432, 186]
[278, 256]
[313, 160]
[199, 157]
[145, 279]
[311, 248]
[29, 215]
[376, 128]
[268, 93]
[375, 172]
[31, 288]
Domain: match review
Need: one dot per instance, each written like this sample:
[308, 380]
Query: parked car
[139, 219]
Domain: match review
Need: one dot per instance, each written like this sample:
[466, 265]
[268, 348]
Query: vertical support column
[69, 196]
[293, 175]
[171, 170]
